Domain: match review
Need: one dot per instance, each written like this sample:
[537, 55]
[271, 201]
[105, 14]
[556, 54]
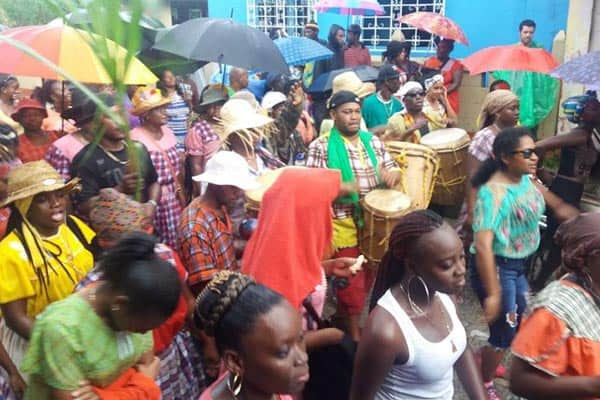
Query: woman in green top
[100, 332]
[508, 208]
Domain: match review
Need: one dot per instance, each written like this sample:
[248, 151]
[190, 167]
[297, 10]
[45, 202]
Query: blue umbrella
[583, 70]
[302, 50]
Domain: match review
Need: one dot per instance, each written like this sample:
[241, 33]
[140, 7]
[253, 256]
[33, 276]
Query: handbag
[330, 366]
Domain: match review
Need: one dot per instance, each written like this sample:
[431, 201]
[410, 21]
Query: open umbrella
[223, 41]
[70, 49]
[301, 50]
[511, 58]
[324, 82]
[435, 23]
[350, 7]
[583, 70]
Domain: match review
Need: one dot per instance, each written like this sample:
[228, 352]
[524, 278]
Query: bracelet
[153, 202]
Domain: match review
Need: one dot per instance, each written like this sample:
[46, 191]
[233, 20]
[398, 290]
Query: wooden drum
[452, 147]
[254, 197]
[418, 169]
[382, 210]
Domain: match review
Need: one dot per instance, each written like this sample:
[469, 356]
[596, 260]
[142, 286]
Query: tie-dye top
[512, 212]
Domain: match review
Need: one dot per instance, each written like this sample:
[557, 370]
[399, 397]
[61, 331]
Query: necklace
[110, 155]
[388, 105]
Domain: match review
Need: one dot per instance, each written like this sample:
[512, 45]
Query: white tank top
[429, 371]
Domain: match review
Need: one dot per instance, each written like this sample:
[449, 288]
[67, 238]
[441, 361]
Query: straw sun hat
[237, 114]
[351, 82]
[33, 178]
[147, 98]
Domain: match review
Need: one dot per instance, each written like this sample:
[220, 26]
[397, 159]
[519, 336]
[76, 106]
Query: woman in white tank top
[414, 338]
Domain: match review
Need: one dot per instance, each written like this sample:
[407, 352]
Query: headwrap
[294, 232]
[407, 87]
[579, 238]
[431, 82]
[495, 102]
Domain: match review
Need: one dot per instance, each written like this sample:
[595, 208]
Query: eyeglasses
[415, 94]
[527, 153]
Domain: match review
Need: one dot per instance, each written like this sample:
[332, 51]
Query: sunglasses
[415, 94]
[527, 153]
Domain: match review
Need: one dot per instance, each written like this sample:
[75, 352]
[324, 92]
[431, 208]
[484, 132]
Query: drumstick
[357, 266]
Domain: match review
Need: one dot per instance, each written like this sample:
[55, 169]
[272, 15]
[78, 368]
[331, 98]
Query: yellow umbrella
[72, 50]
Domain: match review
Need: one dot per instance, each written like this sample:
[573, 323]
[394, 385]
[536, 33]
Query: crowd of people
[134, 266]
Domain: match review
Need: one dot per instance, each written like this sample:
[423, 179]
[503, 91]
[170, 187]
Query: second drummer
[363, 161]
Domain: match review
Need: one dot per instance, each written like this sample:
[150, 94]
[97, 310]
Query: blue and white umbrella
[302, 50]
[583, 70]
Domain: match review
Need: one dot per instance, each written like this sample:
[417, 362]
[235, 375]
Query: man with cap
[202, 141]
[410, 124]
[355, 53]
[34, 141]
[206, 237]
[311, 31]
[379, 107]
[106, 164]
[363, 161]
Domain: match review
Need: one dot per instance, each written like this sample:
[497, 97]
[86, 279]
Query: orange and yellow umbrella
[69, 49]
[437, 24]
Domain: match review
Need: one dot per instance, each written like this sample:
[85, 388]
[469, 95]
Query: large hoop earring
[414, 306]
[234, 384]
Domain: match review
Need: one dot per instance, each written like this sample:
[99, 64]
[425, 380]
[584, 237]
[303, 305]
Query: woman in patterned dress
[151, 107]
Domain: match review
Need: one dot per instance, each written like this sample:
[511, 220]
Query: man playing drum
[363, 161]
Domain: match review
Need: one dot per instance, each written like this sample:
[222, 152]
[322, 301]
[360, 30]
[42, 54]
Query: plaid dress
[165, 158]
[29, 152]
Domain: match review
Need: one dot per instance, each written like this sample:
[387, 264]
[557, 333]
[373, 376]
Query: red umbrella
[435, 23]
[511, 58]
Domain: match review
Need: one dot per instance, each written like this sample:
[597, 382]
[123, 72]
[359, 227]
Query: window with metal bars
[288, 15]
[377, 30]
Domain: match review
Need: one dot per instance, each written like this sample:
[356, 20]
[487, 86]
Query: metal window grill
[289, 15]
[378, 30]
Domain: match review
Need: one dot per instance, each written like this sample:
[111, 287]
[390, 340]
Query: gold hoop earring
[234, 384]
[414, 306]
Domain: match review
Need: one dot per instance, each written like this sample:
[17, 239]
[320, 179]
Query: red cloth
[294, 231]
[352, 299]
[356, 56]
[131, 385]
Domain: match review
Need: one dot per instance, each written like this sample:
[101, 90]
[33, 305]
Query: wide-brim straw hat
[33, 178]
[237, 114]
[351, 82]
[147, 98]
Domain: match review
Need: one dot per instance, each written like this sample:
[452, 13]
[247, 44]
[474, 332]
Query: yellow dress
[20, 279]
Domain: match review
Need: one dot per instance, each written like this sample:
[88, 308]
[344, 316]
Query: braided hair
[393, 265]
[229, 306]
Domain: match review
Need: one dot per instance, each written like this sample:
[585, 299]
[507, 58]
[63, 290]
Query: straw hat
[33, 178]
[237, 114]
[351, 82]
[27, 104]
[147, 98]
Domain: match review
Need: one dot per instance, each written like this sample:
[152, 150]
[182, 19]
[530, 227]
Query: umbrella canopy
[324, 82]
[223, 41]
[583, 70]
[511, 58]
[435, 23]
[159, 61]
[350, 7]
[301, 50]
[70, 49]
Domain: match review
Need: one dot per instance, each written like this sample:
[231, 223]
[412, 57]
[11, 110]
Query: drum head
[387, 201]
[444, 138]
[266, 181]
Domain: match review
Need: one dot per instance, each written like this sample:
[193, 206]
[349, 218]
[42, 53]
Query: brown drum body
[254, 197]
[451, 146]
[382, 210]
[418, 169]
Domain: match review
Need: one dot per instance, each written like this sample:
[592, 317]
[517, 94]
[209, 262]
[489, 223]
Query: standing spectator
[311, 31]
[238, 80]
[355, 53]
[378, 108]
[398, 55]
[177, 108]
[56, 97]
[450, 68]
[9, 97]
[34, 142]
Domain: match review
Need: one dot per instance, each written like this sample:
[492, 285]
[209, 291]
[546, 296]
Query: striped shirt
[178, 113]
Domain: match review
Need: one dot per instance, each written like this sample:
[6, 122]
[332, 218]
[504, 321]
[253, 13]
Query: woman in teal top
[508, 209]
[97, 334]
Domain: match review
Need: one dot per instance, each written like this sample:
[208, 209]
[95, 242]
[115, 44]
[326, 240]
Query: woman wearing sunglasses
[508, 208]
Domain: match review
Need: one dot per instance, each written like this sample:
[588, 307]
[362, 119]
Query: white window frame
[385, 25]
[291, 15]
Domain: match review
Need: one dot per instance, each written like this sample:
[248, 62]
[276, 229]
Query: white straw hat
[227, 168]
[237, 114]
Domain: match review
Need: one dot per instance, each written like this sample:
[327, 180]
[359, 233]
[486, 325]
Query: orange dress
[447, 71]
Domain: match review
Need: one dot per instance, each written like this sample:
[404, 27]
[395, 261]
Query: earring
[415, 307]
[234, 384]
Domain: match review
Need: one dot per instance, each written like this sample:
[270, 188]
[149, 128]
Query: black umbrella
[223, 41]
[324, 82]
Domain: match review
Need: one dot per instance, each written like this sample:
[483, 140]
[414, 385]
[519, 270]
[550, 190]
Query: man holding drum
[363, 161]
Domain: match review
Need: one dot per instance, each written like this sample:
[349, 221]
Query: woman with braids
[260, 338]
[556, 353]
[505, 224]
[44, 254]
[81, 346]
[413, 337]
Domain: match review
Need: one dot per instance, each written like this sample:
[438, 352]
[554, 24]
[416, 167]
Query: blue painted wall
[485, 23]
